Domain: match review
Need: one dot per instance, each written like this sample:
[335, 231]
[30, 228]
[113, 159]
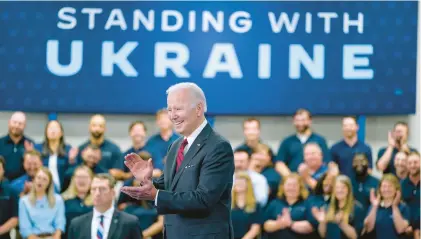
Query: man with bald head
[111, 156]
[14, 144]
[194, 192]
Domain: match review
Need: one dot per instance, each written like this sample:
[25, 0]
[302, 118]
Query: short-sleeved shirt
[291, 150]
[391, 166]
[343, 155]
[111, 156]
[411, 196]
[298, 212]
[242, 220]
[384, 227]
[13, 155]
[361, 188]
[356, 220]
[8, 205]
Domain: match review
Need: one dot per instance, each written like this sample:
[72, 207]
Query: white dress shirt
[190, 141]
[260, 187]
[52, 166]
[108, 216]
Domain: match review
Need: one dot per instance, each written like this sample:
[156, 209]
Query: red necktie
[180, 155]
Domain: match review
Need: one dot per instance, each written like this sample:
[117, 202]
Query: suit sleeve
[135, 229]
[216, 175]
[70, 232]
[159, 182]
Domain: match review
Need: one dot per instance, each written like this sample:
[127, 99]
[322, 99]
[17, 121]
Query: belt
[45, 235]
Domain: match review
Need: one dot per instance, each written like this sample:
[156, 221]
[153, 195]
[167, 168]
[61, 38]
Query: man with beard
[112, 158]
[290, 153]
[14, 145]
[411, 190]
[343, 151]
[362, 181]
[398, 141]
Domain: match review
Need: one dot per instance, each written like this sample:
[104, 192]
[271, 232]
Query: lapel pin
[198, 145]
[115, 220]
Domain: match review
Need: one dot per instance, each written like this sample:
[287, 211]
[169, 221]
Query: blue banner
[251, 58]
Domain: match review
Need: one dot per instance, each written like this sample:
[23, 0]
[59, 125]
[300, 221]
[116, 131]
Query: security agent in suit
[194, 193]
[105, 222]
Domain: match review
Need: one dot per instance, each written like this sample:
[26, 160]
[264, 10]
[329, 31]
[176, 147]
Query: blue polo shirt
[73, 208]
[274, 179]
[242, 220]
[158, 148]
[361, 188]
[8, 205]
[343, 155]
[391, 166]
[13, 154]
[356, 220]
[17, 185]
[411, 196]
[291, 150]
[298, 211]
[110, 152]
[384, 227]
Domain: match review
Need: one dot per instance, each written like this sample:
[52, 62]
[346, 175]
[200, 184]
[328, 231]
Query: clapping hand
[142, 171]
[319, 214]
[375, 200]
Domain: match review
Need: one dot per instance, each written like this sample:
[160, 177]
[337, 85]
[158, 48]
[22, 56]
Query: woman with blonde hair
[344, 217]
[77, 198]
[41, 211]
[388, 216]
[287, 215]
[245, 212]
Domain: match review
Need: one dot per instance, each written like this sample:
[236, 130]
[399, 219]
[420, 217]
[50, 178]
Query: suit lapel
[88, 226]
[193, 150]
[114, 223]
[173, 156]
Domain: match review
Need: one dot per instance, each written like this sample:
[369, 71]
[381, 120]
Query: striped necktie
[100, 232]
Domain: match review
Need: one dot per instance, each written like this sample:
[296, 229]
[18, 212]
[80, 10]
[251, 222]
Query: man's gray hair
[195, 91]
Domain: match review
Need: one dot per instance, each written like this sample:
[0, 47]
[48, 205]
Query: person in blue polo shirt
[388, 217]
[362, 181]
[344, 216]
[32, 163]
[261, 162]
[111, 158]
[313, 166]
[158, 144]
[411, 190]
[343, 151]
[287, 216]
[78, 198]
[246, 213]
[8, 205]
[14, 145]
[290, 153]
[397, 142]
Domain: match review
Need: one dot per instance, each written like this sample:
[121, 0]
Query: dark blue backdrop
[28, 83]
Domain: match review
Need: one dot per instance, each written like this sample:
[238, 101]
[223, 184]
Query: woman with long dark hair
[56, 154]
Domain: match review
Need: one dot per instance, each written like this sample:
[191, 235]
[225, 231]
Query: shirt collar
[107, 214]
[196, 133]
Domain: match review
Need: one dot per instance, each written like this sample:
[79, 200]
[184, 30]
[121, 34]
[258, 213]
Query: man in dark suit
[105, 222]
[194, 193]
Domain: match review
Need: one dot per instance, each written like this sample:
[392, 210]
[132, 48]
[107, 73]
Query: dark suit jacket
[196, 200]
[123, 226]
